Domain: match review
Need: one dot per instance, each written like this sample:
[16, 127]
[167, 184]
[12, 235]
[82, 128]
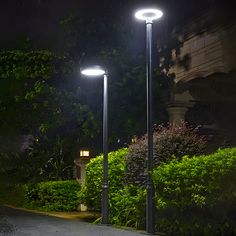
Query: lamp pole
[148, 15]
[94, 71]
[150, 188]
[105, 201]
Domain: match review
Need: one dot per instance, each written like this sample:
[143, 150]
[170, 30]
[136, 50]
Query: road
[20, 223]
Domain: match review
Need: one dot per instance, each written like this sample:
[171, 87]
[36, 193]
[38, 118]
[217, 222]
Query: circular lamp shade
[93, 71]
[148, 14]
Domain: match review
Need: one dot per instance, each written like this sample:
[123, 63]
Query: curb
[58, 215]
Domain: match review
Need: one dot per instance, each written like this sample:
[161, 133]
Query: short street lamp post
[94, 71]
[149, 15]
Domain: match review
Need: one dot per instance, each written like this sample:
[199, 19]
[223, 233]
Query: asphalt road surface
[21, 223]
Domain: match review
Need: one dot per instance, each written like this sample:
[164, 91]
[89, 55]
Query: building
[203, 91]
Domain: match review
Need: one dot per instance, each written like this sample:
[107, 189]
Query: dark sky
[36, 19]
[39, 20]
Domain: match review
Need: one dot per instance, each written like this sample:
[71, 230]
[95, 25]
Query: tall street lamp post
[149, 15]
[94, 71]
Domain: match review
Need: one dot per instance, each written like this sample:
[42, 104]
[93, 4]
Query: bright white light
[93, 71]
[84, 153]
[149, 14]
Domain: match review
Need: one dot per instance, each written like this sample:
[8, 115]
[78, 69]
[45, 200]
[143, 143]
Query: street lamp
[149, 15]
[94, 71]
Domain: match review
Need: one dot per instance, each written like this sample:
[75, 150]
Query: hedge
[193, 196]
[54, 195]
[197, 196]
[91, 193]
[127, 207]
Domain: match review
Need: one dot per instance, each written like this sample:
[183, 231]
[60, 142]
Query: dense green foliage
[91, 193]
[19, 64]
[169, 142]
[127, 207]
[193, 196]
[42, 119]
[54, 195]
[196, 196]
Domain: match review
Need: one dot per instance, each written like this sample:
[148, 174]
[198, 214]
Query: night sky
[39, 20]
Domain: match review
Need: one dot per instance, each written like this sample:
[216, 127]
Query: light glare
[149, 14]
[93, 71]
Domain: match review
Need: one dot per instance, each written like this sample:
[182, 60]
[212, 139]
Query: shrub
[168, 142]
[91, 193]
[197, 196]
[54, 195]
[127, 207]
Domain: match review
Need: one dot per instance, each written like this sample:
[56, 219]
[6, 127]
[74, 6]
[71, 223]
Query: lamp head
[94, 70]
[148, 14]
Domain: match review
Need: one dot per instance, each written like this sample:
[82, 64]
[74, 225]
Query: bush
[169, 142]
[127, 207]
[54, 195]
[197, 196]
[91, 193]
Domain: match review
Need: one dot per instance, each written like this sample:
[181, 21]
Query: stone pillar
[82, 172]
[177, 114]
[178, 106]
[80, 164]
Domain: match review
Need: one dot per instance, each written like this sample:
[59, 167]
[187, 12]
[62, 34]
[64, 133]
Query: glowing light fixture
[93, 71]
[84, 153]
[149, 14]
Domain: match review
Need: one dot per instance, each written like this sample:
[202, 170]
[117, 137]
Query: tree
[39, 99]
[109, 43]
